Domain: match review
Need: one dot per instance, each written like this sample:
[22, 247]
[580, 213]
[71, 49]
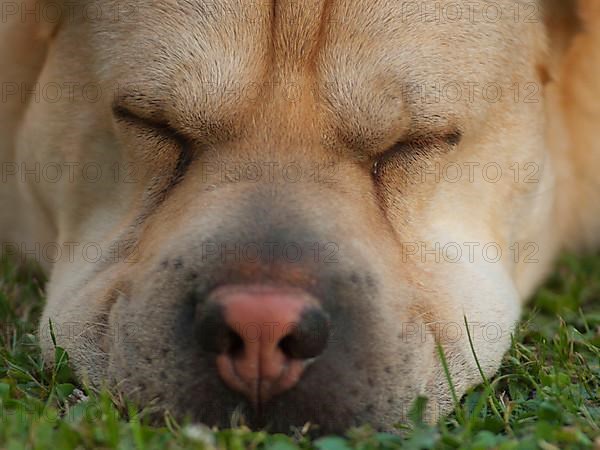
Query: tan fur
[342, 84]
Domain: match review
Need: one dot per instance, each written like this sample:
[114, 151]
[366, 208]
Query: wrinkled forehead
[374, 57]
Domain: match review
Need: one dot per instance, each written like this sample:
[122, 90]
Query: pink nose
[263, 337]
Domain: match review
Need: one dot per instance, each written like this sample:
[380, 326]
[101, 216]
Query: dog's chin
[288, 412]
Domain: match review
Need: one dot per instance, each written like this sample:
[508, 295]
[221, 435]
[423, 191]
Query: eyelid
[125, 114]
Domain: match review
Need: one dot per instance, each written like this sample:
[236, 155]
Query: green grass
[547, 394]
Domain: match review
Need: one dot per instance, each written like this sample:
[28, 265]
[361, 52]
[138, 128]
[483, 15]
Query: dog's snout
[262, 336]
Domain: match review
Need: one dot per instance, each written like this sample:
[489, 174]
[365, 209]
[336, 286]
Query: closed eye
[416, 147]
[166, 132]
[122, 114]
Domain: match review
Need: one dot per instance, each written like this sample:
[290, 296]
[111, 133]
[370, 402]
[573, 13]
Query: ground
[547, 394]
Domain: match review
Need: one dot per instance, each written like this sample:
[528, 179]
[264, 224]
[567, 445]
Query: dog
[294, 212]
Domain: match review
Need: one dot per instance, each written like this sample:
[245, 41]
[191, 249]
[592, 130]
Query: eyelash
[381, 159]
[451, 140]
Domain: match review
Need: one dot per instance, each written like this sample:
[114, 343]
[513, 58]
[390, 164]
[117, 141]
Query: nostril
[309, 338]
[235, 344]
[212, 332]
[306, 339]
[293, 348]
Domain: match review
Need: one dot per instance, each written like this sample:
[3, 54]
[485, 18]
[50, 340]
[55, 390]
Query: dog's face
[356, 158]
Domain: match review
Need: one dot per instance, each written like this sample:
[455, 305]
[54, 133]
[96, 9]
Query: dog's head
[294, 203]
